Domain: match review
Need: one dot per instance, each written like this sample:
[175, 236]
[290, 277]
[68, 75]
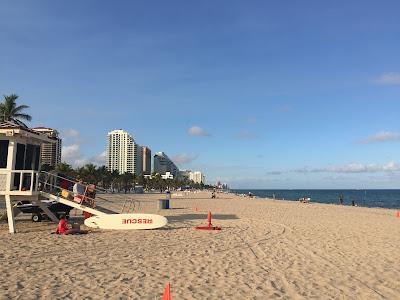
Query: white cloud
[99, 159]
[353, 168]
[197, 131]
[391, 78]
[307, 170]
[72, 154]
[274, 173]
[365, 168]
[183, 158]
[383, 136]
[70, 133]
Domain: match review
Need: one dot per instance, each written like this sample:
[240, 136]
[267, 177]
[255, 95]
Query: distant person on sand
[63, 228]
[341, 199]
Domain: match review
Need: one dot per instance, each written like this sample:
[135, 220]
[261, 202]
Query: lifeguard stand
[19, 167]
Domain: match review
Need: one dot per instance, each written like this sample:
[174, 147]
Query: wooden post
[32, 179]
[10, 214]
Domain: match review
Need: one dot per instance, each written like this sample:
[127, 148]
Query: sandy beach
[266, 250]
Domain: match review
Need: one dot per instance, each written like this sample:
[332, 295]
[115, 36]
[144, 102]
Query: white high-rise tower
[122, 153]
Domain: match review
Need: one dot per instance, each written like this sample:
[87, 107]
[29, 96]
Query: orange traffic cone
[167, 292]
[209, 226]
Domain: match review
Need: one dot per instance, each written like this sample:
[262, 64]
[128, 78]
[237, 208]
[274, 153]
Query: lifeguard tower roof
[9, 128]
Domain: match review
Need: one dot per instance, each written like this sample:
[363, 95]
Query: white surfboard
[126, 221]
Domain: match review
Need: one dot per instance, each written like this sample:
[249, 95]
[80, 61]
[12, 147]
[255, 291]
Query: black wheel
[36, 218]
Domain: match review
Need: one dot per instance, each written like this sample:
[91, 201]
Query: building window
[29, 157]
[3, 153]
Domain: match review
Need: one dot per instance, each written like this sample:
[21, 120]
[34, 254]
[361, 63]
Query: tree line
[126, 182]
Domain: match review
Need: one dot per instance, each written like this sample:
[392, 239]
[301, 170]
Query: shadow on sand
[185, 217]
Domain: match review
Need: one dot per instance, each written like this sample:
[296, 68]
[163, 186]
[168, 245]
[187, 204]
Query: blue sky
[267, 94]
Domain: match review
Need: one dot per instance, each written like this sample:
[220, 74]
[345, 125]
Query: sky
[260, 94]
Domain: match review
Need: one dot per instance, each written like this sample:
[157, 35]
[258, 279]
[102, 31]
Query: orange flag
[167, 293]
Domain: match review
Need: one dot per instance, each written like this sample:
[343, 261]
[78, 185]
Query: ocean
[367, 198]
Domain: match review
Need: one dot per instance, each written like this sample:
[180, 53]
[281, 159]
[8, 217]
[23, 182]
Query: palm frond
[20, 108]
[9, 109]
[23, 116]
[11, 97]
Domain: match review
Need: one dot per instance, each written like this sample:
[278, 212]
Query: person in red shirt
[63, 228]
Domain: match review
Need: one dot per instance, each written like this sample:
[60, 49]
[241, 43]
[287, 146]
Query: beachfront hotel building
[123, 154]
[184, 174]
[163, 164]
[50, 154]
[197, 177]
[146, 160]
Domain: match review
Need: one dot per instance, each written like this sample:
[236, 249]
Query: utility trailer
[27, 207]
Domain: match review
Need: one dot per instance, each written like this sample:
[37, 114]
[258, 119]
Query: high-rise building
[122, 153]
[184, 174]
[137, 159]
[197, 177]
[50, 153]
[146, 160]
[162, 164]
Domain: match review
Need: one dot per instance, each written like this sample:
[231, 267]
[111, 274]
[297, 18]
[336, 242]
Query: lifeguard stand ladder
[19, 167]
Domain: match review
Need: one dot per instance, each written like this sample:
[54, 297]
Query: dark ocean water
[367, 198]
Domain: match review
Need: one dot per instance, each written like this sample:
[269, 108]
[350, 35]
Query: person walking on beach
[341, 199]
[213, 194]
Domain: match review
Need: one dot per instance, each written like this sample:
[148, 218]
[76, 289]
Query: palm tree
[127, 179]
[90, 173]
[115, 182]
[10, 110]
[65, 169]
[104, 177]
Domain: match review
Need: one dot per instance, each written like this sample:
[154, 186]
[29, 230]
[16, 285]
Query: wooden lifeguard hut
[19, 167]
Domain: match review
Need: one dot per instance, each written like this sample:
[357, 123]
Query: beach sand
[266, 250]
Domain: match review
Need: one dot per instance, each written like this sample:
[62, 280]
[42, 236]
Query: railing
[49, 184]
[19, 182]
